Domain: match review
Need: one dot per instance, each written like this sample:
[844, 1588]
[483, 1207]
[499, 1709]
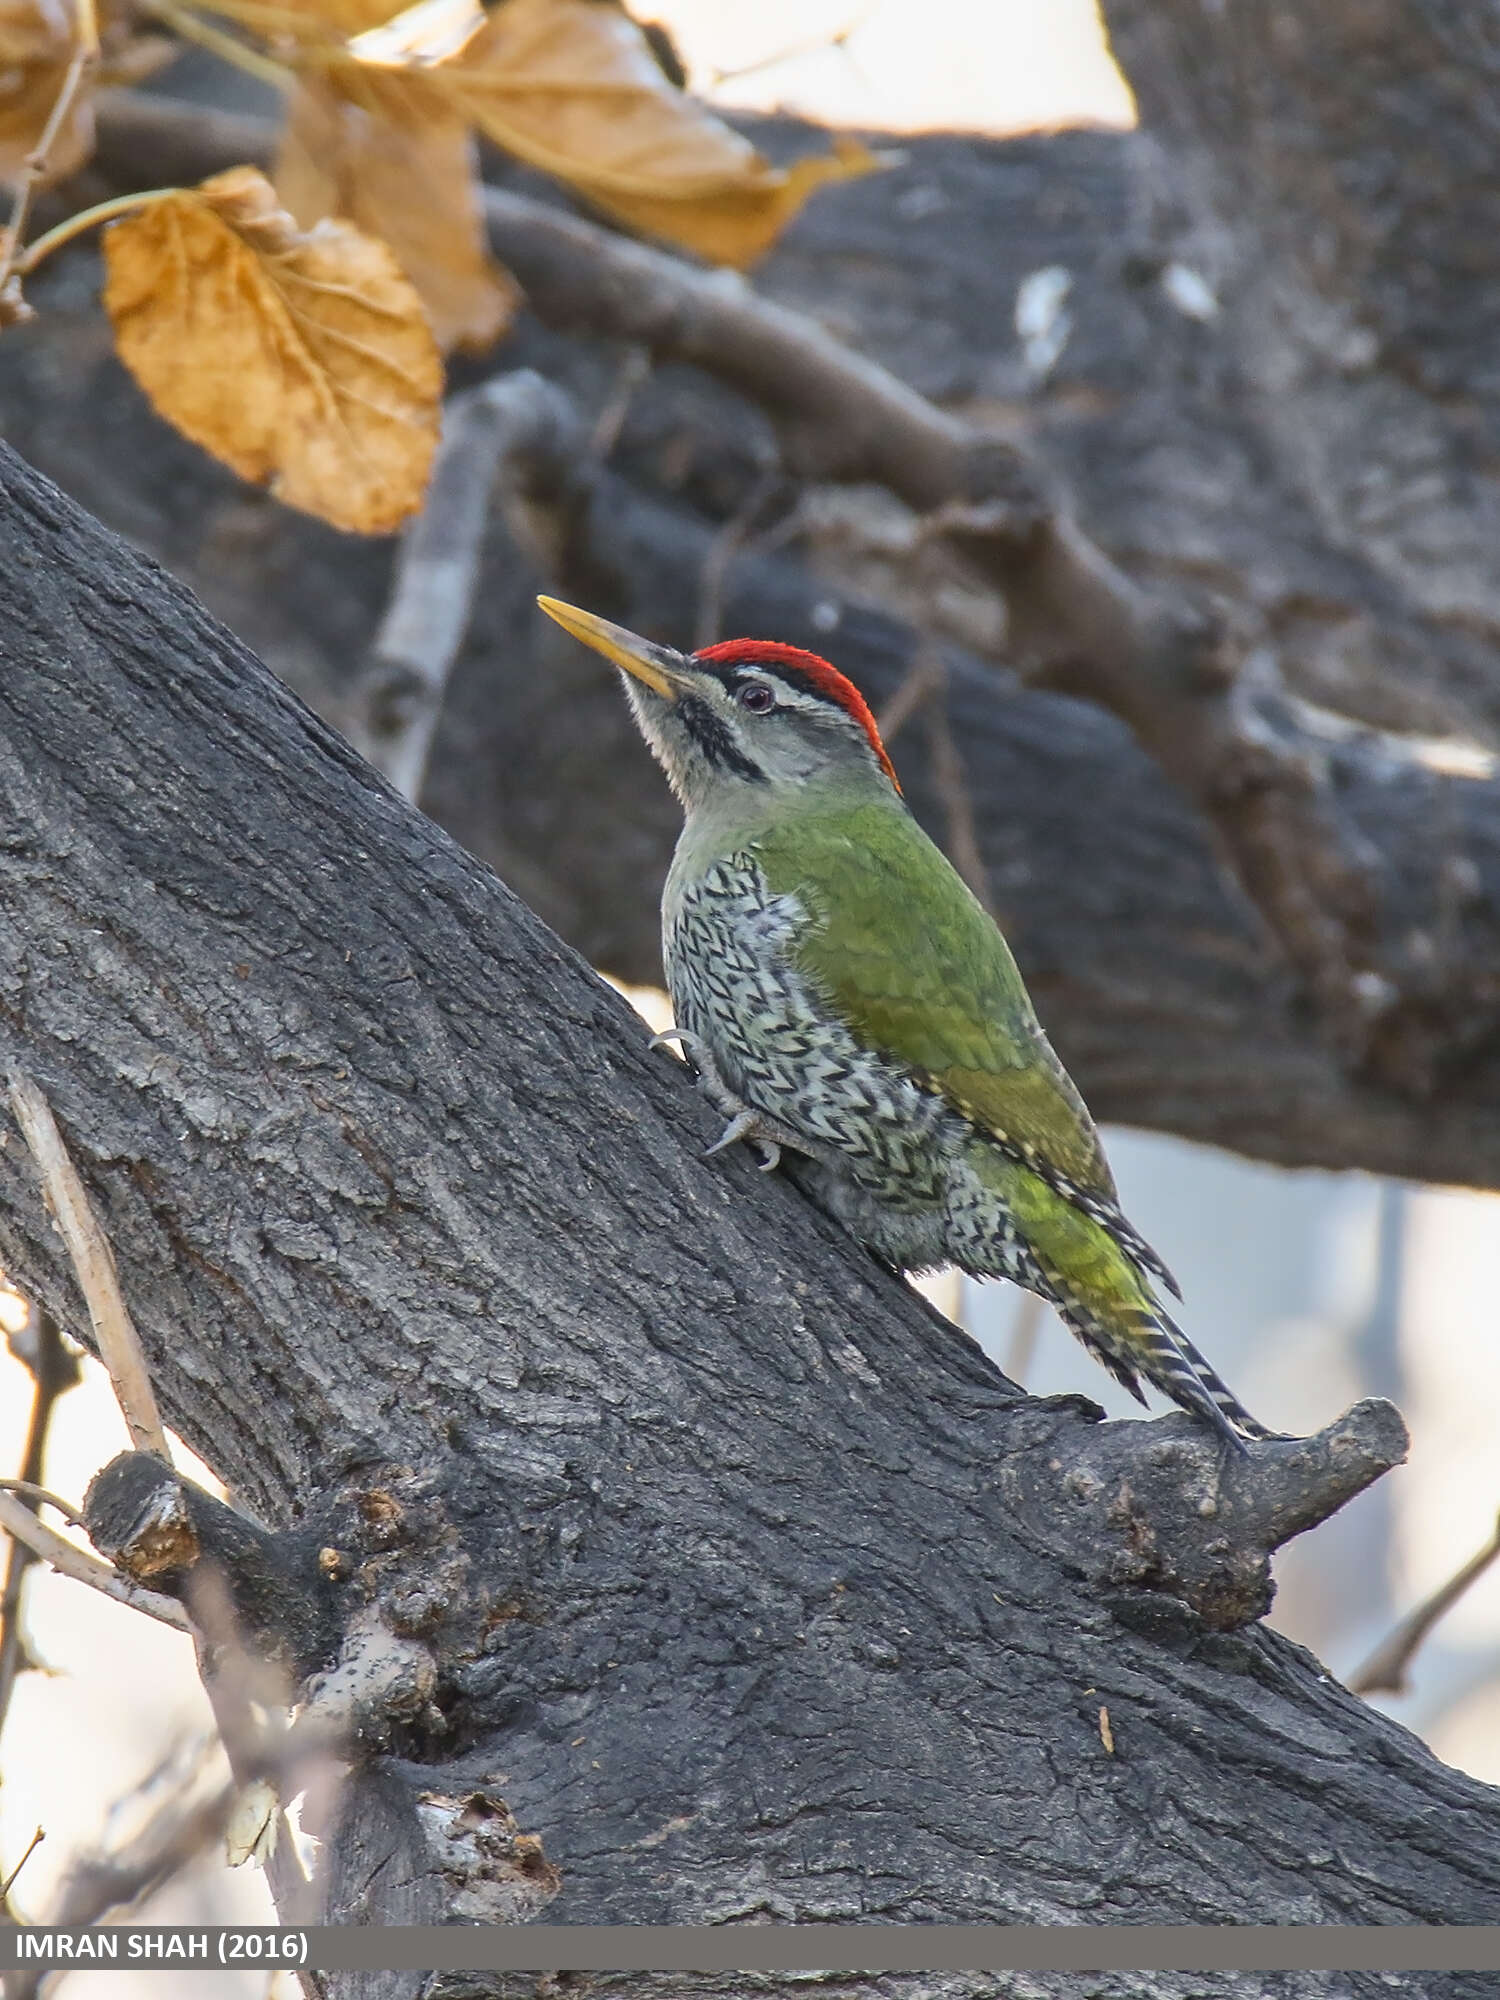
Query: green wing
[911, 960]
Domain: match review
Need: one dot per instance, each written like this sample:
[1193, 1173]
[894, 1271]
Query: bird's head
[748, 712]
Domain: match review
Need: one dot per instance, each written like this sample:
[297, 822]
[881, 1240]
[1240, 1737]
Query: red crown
[814, 673]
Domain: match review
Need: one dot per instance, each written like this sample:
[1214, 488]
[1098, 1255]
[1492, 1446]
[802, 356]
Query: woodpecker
[854, 1013]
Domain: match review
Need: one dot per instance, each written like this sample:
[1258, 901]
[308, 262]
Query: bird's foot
[756, 1131]
[700, 1055]
[745, 1124]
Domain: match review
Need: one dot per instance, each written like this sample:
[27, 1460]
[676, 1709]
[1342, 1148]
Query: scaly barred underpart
[897, 1162]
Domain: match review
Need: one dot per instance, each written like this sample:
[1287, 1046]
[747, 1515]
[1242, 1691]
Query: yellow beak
[654, 665]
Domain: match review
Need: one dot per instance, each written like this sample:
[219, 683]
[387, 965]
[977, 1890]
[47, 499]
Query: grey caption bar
[768, 1948]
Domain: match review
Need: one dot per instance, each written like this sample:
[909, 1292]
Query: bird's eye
[757, 696]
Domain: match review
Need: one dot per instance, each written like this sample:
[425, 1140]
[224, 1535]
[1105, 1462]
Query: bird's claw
[660, 1041]
[691, 1045]
[746, 1124]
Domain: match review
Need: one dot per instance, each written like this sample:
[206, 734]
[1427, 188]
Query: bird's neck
[732, 820]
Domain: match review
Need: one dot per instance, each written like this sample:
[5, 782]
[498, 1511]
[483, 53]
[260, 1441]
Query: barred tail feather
[1216, 1387]
[1156, 1347]
[1095, 1203]
[1103, 1294]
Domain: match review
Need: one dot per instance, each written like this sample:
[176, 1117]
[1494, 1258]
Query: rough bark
[744, 1585]
[1162, 990]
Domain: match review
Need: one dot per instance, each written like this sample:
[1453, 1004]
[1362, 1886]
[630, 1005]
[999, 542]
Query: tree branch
[518, 431]
[1387, 1670]
[93, 1261]
[55, 1372]
[682, 1508]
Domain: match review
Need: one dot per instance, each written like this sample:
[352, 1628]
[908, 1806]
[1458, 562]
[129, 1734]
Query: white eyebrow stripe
[794, 697]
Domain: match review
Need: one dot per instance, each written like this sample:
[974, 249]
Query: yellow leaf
[572, 87]
[37, 42]
[431, 32]
[301, 360]
[385, 153]
[739, 222]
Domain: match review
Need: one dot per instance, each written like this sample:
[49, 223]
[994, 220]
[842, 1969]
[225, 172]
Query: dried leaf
[302, 360]
[37, 42]
[396, 160]
[572, 87]
[420, 37]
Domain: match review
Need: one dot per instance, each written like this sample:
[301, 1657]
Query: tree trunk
[745, 1584]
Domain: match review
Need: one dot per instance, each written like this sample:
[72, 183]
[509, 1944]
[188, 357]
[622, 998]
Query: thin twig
[10, 1881]
[55, 1372]
[121, 1351]
[916, 686]
[178, 1831]
[94, 1265]
[43, 1496]
[790, 51]
[175, 1835]
[35, 167]
[18, 1521]
[193, 28]
[1385, 1671]
[237, 1685]
[924, 687]
[84, 56]
[505, 422]
[721, 553]
[634, 368]
[792, 524]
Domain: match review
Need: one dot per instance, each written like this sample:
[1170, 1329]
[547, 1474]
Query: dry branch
[518, 431]
[722, 551]
[178, 1831]
[55, 1372]
[93, 1265]
[164, 1541]
[925, 690]
[10, 1881]
[43, 1496]
[71, 1561]
[1387, 1670]
[161, 1529]
[12, 237]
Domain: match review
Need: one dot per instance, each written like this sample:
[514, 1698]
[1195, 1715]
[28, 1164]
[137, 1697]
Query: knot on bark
[1164, 1507]
[495, 1873]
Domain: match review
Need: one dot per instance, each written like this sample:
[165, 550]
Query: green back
[911, 960]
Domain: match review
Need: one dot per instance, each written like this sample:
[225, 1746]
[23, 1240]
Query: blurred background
[1307, 1289]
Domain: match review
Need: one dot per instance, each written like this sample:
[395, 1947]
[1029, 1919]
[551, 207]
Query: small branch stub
[1158, 1508]
[69, 1560]
[156, 1525]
